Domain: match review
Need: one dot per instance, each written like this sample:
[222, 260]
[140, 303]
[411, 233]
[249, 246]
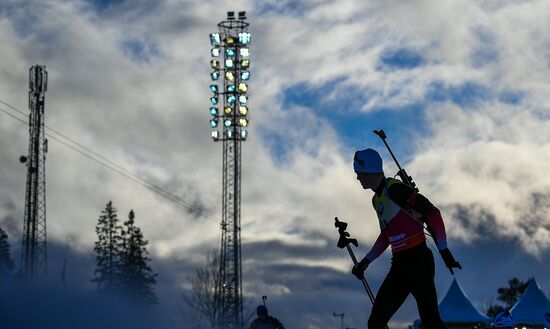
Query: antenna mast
[34, 245]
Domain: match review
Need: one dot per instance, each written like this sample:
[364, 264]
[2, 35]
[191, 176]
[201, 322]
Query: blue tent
[531, 307]
[457, 308]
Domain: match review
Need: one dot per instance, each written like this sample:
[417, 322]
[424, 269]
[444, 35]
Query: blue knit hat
[368, 161]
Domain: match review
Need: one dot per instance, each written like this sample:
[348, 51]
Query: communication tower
[34, 245]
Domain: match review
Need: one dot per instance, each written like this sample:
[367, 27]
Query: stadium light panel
[230, 52]
[214, 100]
[230, 133]
[243, 122]
[214, 88]
[231, 88]
[214, 110]
[243, 99]
[213, 123]
[230, 40]
[215, 134]
[214, 75]
[215, 52]
[244, 37]
[245, 63]
[229, 76]
[244, 133]
[245, 75]
[243, 88]
[229, 63]
[244, 52]
[228, 110]
[215, 64]
[231, 99]
[243, 110]
[215, 39]
[227, 122]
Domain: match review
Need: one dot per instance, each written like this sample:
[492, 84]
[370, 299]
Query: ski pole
[363, 279]
[344, 241]
[402, 173]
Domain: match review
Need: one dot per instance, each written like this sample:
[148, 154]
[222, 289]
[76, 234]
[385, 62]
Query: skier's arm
[434, 221]
[435, 224]
[378, 248]
[407, 198]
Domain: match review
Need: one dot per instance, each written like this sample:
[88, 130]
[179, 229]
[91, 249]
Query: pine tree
[138, 277]
[6, 263]
[109, 251]
[508, 296]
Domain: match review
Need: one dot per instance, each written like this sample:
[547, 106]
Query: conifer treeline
[122, 259]
[6, 262]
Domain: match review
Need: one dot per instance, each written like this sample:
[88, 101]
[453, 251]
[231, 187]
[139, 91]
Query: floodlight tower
[229, 108]
[34, 246]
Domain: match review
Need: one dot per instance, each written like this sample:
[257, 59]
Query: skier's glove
[359, 269]
[449, 260]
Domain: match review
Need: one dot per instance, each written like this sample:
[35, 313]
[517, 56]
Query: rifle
[405, 178]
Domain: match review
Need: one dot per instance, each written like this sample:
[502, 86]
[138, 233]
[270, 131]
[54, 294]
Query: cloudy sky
[460, 87]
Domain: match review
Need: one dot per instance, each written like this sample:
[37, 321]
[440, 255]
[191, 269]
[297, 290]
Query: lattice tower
[34, 243]
[234, 119]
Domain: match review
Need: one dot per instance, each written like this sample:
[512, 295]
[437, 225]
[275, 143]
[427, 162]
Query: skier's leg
[391, 295]
[423, 290]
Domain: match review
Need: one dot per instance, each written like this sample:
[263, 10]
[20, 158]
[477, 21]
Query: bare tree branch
[202, 301]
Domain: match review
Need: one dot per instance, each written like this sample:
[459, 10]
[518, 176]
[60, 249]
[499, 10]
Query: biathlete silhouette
[402, 212]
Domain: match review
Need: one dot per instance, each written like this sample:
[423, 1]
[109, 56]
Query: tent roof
[457, 308]
[532, 306]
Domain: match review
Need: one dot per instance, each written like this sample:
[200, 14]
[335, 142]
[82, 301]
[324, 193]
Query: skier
[401, 213]
[264, 321]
